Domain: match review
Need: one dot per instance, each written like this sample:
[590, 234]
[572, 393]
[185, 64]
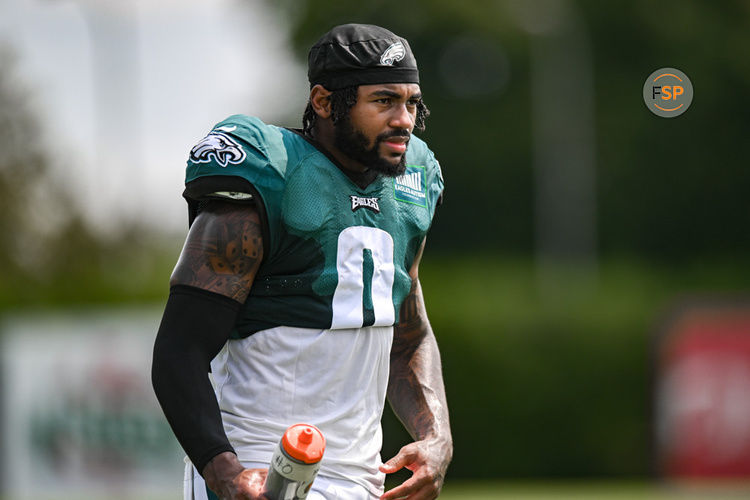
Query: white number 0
[348, 298]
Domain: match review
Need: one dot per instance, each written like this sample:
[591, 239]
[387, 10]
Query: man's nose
[402, 118]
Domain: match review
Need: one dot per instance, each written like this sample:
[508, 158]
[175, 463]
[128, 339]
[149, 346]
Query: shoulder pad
[240, 146]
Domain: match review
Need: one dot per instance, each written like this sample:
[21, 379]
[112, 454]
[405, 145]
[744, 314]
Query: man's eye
[383, 100]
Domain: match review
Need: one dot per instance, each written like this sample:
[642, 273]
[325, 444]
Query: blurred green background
[574, 218]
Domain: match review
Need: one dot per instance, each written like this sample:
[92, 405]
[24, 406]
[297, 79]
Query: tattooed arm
[223, 250]
[212, 279]
[417, 396]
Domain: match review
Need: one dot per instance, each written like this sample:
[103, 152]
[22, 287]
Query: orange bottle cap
[304, 442]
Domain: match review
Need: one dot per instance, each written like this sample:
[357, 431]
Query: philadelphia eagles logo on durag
[219, 147]
[394, 53]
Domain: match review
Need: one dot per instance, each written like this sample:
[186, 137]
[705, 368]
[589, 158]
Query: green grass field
[559, 490]
[537, 490]
[589, 490]
[579, 490]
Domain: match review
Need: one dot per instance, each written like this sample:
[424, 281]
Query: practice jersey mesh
[319, 270]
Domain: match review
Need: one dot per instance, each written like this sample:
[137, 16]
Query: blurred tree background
[665, 189]
[49, 256]
[545, 345]
[547, 365]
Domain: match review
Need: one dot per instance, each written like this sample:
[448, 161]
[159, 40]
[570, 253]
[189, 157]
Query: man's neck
[323, 138]
[324, 135]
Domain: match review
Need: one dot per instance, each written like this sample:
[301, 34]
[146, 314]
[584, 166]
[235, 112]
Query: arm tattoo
[415, 388]
[223, 251]
[410, 319]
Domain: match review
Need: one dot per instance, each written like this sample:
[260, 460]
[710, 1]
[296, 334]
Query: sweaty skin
[417, 396]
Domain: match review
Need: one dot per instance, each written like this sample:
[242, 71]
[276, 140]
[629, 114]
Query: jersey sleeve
[435, 183]
[241, 160]
[239, 154]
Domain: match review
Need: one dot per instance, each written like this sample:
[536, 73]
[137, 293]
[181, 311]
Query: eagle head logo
[217, 147]
[394, 53]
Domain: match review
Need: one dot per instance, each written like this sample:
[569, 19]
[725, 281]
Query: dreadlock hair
[342, 101]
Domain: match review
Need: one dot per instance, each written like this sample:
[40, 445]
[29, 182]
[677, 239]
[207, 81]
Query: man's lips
[397, 144]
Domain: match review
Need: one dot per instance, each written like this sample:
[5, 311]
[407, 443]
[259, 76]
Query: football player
[298, 286]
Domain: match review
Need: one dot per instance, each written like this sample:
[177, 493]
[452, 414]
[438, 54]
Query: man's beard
[353, 144]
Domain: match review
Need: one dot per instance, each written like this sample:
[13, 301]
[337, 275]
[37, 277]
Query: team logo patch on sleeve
[360, 201]
[410, 186]
[217, 147]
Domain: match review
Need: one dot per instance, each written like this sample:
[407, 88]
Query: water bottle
[295, 463]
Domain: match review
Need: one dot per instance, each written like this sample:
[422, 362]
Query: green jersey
[336, 255]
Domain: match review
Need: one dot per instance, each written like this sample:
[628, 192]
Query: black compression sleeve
[195, 326]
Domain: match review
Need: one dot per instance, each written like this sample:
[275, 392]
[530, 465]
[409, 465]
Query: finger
[251, 483]
[409, 487]
[427, 491]
[404, 457]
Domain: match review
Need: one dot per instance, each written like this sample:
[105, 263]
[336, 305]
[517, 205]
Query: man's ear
[320, 98]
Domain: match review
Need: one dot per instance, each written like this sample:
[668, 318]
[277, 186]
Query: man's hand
[417, 397]
[225, 476]
[428, 460]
